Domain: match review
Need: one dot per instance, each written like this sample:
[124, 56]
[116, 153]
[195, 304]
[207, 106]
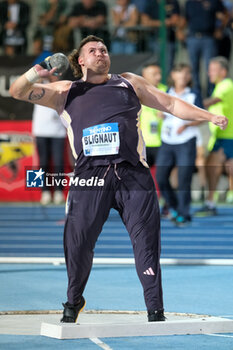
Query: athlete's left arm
[154, 98]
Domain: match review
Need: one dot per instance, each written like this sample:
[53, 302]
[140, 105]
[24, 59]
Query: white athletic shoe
[58, 197]
[46, 198]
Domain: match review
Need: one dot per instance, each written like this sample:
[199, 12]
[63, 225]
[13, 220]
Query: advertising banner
[17, 152]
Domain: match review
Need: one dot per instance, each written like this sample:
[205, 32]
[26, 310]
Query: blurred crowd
[202, 27]
[127, 26]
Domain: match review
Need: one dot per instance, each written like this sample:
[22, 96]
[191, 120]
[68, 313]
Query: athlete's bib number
[102, 139]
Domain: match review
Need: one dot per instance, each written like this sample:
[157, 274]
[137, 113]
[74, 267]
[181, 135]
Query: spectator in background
[223, 32]
[150, 123]
[221, 142]
[201, 16]
[124, 15]
[150, 18]
[49, 133]
[140, 4]
[90, 16]
[178, 149]
[52, 14]
[14, 19]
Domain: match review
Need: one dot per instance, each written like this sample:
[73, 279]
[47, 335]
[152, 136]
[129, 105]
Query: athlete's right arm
[51, 95]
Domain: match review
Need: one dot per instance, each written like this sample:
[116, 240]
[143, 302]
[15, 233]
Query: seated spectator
[124, 15]
[140, 4]
[178, 149]
[151, 19]
[52, 14]
[63, 38]
[201, 23]
[221, 142]
[230, 24]
[14, 19]
[90, 16]
[223, 31]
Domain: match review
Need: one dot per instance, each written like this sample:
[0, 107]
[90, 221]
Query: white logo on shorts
[149, 272]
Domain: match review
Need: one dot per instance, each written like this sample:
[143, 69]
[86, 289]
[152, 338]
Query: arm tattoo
[36, 96]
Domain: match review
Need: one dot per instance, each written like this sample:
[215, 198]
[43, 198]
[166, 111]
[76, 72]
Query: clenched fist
[220, 121]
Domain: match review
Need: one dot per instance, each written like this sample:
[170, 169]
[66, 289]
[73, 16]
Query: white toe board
[124, 325]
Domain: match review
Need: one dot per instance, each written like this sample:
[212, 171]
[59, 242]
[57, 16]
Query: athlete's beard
[101, 67]
[95, 74]
[96, 68]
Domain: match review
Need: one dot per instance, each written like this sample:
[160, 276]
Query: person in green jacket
[221, 141]
[149, 121]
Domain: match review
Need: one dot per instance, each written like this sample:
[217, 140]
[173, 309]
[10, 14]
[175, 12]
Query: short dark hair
[73, 57]
[223, 61]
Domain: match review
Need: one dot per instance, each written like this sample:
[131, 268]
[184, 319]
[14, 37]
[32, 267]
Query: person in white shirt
[178, 148]
[50, 135]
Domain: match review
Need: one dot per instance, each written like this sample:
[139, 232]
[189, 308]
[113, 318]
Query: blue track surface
[191, 342]
[38, 232]
[34, 231]
[191, 289]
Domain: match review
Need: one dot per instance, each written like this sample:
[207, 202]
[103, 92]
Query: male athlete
[101, 112]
